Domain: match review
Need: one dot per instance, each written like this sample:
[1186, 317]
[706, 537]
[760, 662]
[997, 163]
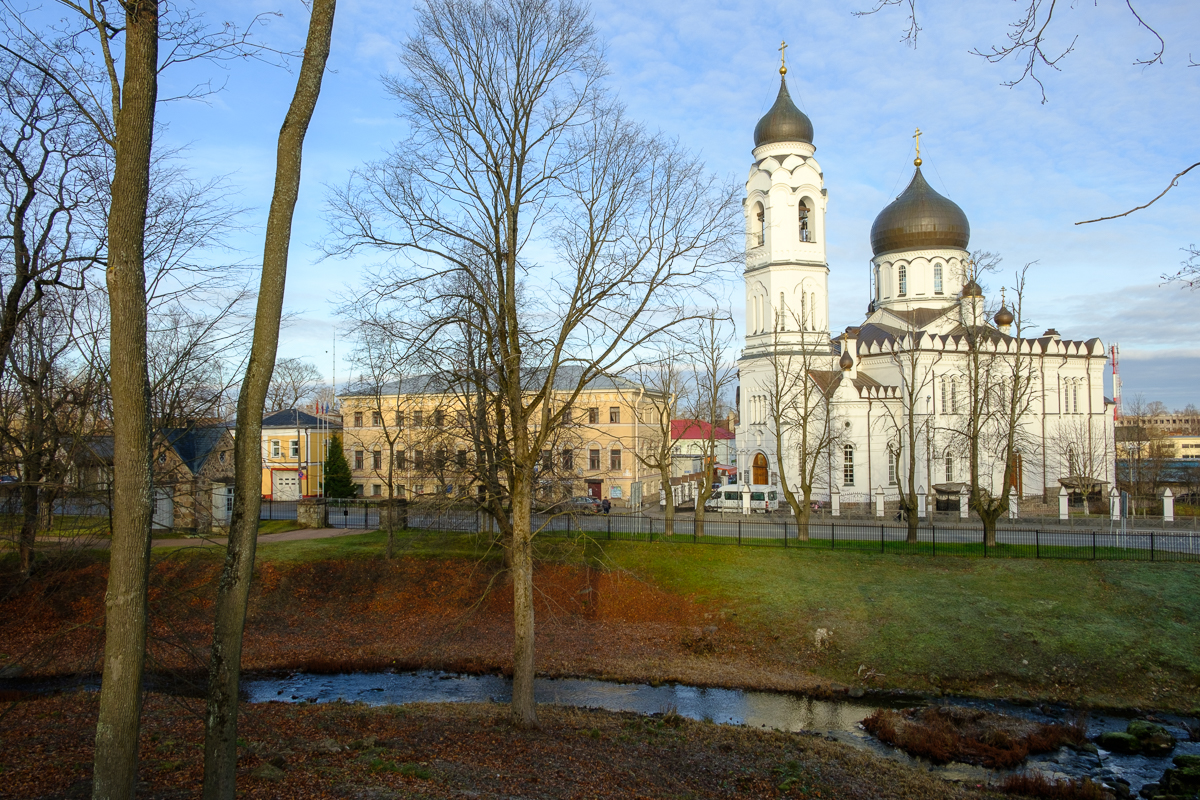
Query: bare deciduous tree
[539, 238]
[714, 375]
[799, 415]
[294, 382]
[233, 591]
[999, 385]
[664, 381]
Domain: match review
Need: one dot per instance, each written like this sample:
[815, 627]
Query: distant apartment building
[1162, 424]
[417, 437]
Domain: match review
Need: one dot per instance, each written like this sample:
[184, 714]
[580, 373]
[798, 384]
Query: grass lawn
[1100, 631]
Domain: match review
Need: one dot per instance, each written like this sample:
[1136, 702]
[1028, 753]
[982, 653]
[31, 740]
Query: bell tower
[786, 272]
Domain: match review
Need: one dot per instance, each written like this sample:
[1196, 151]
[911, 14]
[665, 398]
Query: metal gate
[352, 514]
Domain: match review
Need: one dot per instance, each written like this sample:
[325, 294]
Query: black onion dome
[784, 122]
[1004, 316]
[847, 360]
[919, 218]
[972, 289]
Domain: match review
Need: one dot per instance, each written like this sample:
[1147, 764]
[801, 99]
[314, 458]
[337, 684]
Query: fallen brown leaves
[407, 613]
[355, 751]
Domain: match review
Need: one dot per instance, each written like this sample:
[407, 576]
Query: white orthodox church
[908, 358]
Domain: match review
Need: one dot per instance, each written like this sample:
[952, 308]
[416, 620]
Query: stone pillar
[922, 504]
[1168, 505]
[1114, 503]
[879, 501]
[835, 502]
[1064, 500]
[310, 512]
[964, 502]
[745, 499]
[1014, 507]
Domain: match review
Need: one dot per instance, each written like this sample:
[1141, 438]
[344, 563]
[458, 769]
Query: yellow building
[294, 446]
[416, 437]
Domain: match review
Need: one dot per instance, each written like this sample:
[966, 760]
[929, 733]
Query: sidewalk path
[218, 541]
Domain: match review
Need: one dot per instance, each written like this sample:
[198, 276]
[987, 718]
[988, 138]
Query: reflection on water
[730, 706]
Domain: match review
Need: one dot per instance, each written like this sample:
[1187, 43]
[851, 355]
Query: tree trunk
[125, 623]
[29, 525]
[804, 515]
[233, 591]
[989, 529]
[524, 710]
[699, 523]
[913, 520]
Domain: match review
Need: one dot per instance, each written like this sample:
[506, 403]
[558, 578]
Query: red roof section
[697, 429]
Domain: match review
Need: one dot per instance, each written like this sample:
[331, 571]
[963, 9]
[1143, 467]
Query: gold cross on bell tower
[917, 136]
[783, 58]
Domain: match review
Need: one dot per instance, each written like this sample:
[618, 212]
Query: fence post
[785, 536]
[933, 530]
[1037, 544]
[1093, 545]
[739, 531]
[608, 523]
[985, 541]
[832, 537]
[881, 539]
[1151, 544]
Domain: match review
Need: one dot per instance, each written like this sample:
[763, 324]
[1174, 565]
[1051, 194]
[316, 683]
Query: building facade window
[893, 458]
[848, 465]
[568, 459]
[418, 418]
[274, 448]
[462, 459]
[614, 414]
[358, 419]
[358, 459]
[376, 490]
[937, 279]
[418, 460]
[903, 280]
[400, 461]
[295, 448]
[399, 420]
[376, 419]
[805, 232]
[593, 416]
[614, 459]
[760, 226]
[593, 460]
[460, 418]
[376, 459]
[439, 418]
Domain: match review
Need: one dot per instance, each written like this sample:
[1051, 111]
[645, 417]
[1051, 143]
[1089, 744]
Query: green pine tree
[337, 471]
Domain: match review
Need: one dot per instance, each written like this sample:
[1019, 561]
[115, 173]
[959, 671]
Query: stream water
[778, 710]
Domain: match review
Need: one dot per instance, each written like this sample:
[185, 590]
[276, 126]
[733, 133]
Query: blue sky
[1110, 137]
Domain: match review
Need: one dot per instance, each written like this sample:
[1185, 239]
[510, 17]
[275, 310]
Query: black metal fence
[1099, 543]
[277, 509]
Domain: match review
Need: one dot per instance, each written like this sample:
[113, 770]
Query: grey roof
[295, 418]
[193, 445]
[565, 379]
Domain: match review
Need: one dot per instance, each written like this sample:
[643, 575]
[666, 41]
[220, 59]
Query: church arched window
[953, 396]
[949, 464]
[803, 311]
[878, 296]
[902, 279]
[760, 225]
[945, 408]
[782, 313]
[812, 311]
[848, 465]
[937, 278]
[805, 231]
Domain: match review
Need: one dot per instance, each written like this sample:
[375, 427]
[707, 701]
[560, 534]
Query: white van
[763, 497]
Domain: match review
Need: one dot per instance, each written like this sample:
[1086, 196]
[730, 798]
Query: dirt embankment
[408, 613]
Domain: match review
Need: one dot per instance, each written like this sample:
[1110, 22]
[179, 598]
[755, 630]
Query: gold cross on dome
[917, 136]
[783, 58]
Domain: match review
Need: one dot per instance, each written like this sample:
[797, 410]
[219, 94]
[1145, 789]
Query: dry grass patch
[943, 734]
